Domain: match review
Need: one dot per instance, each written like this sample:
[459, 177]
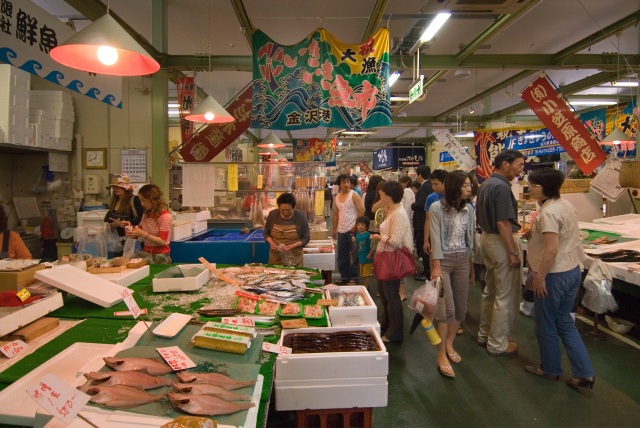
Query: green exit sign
[416, 90]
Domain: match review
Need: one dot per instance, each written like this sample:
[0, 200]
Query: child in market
[362, 240]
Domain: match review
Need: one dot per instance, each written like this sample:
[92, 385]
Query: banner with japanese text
[186, 95]
[215, 137]
[28, 35]
[411, 157]
[385, 157]
[321, 81]
[564, 124]
[364, 167]
[315, 150]
[455, 149]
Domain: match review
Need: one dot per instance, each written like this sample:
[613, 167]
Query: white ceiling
[534, 27]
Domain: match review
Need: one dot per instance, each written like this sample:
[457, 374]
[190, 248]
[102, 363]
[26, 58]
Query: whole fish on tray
[208, 405]
[136, 379]
[153, 366]
[213, 378]
[209, 389]
[120, 396]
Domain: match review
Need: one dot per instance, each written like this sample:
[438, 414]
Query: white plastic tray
[172, 325]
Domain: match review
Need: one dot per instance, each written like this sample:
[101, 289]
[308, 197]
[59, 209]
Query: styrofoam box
[199, 216]
[42, 134]
[180, 230]
[189, 283]
[333, 365]
[64, 144]
[322, 261]
[13, 76]
[94, 218]
[198, 226]
[82, 284]
[127, 277]
[331, 393]
[14, 97]
[12, 318]
[352, 315]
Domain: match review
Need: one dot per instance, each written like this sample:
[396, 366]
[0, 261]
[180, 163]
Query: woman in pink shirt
[155, 226]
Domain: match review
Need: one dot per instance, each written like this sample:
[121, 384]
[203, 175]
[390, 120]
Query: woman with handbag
[394, 243]
[451, 222]
[125, 208]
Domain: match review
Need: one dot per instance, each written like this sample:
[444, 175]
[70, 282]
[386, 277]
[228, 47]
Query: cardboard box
[331, 393]
[333, 365]
[13, 318]
[32, 330]
[181, 278]
[352, 315]
[15, 280]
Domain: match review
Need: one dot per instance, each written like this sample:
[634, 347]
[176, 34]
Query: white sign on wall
[28, 33]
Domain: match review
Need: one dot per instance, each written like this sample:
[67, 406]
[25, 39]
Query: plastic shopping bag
[129, 249]
[425, 299]
[598, 283]
[114, 242]
[92, 242]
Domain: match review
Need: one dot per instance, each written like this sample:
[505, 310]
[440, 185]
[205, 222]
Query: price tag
[259, 181]
[276, 349]
[13, 348]
[296, 323]
[177, 359]
[243, 321]
[56, 397]
[232, 177]
[130, 302]
[327, 302]
[23, 294]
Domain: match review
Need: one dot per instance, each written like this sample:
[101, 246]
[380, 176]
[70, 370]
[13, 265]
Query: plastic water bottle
[430, 331]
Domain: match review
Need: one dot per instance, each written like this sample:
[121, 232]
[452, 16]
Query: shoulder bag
[391, 265]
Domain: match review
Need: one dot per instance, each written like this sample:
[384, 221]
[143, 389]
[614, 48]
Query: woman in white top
[393, 234]
[451, 222]
[555, 256]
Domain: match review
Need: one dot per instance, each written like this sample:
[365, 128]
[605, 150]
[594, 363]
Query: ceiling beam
[374, 19]
[243, 19]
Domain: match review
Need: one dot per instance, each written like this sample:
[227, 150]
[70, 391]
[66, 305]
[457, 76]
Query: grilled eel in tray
[618, 256]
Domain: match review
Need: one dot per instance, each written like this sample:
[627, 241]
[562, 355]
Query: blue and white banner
[28, 33]
[385, 158]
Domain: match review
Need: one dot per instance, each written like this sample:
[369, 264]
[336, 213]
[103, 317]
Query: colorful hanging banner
[315, 150]
[213, 139]
[28, 35]
[364, 167]
[186, 94]
[321, 82]
[564, 124]
[455, 149]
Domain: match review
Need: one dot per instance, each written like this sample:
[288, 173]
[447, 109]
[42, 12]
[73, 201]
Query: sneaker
[512, 348]
[526, 308]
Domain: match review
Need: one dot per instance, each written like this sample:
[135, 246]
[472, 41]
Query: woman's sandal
[447, 371]
[581, 382]
[536, 370]
[454, 357]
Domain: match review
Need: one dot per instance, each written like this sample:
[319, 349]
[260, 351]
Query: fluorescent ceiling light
[464, 134]
[434, 26]
[622, 84]
[592, 102]
[363, 132]
[393, 78]
[173, 105]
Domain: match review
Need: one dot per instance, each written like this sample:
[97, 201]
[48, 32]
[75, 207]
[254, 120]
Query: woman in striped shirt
[155, 226]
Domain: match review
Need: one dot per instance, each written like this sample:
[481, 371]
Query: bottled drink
[430, 331]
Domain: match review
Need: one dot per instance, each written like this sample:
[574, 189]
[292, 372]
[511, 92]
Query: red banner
[186, 95]
[213, 139]
[365, 168]
[564, 125]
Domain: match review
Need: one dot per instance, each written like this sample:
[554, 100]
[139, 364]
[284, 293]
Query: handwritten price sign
[276, 349]
[56, 397]
[177, 359]
[128, 299]
[11, 349]
[243, 321]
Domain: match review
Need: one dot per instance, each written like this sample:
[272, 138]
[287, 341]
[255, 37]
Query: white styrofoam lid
[82, 284]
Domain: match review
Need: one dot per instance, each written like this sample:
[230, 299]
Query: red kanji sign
[217, 136]
[563, 124]
[186, 96]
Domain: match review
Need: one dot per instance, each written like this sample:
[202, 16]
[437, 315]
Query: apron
[285, 234]
[4, 254]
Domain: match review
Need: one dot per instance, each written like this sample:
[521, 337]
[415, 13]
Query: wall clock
[94, 158]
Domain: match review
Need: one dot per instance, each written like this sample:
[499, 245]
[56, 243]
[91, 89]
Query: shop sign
[216, 137]
[534, 143]
[384, 158]
[564, 124]
[409, 157]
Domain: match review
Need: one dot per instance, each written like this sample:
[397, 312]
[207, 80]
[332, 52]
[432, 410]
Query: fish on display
[134, 378]
[206, 405]
[213, 378]
[209, 389]
[153, 366]
[120, 396]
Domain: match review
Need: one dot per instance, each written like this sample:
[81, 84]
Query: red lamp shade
[104, 47]
[210, 111]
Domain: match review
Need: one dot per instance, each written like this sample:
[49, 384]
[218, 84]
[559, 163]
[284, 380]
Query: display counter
[227, 246]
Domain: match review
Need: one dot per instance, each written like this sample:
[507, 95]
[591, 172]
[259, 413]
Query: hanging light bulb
[271, 141]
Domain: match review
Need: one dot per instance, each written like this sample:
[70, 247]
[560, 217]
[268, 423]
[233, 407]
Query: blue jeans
[553, 321]
[348, 271]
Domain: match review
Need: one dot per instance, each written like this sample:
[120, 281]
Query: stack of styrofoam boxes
[180, 230]
[331, 380]
[42, 128]
[14, 105]
[352, 316]
[198, 220]
[58, 104]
